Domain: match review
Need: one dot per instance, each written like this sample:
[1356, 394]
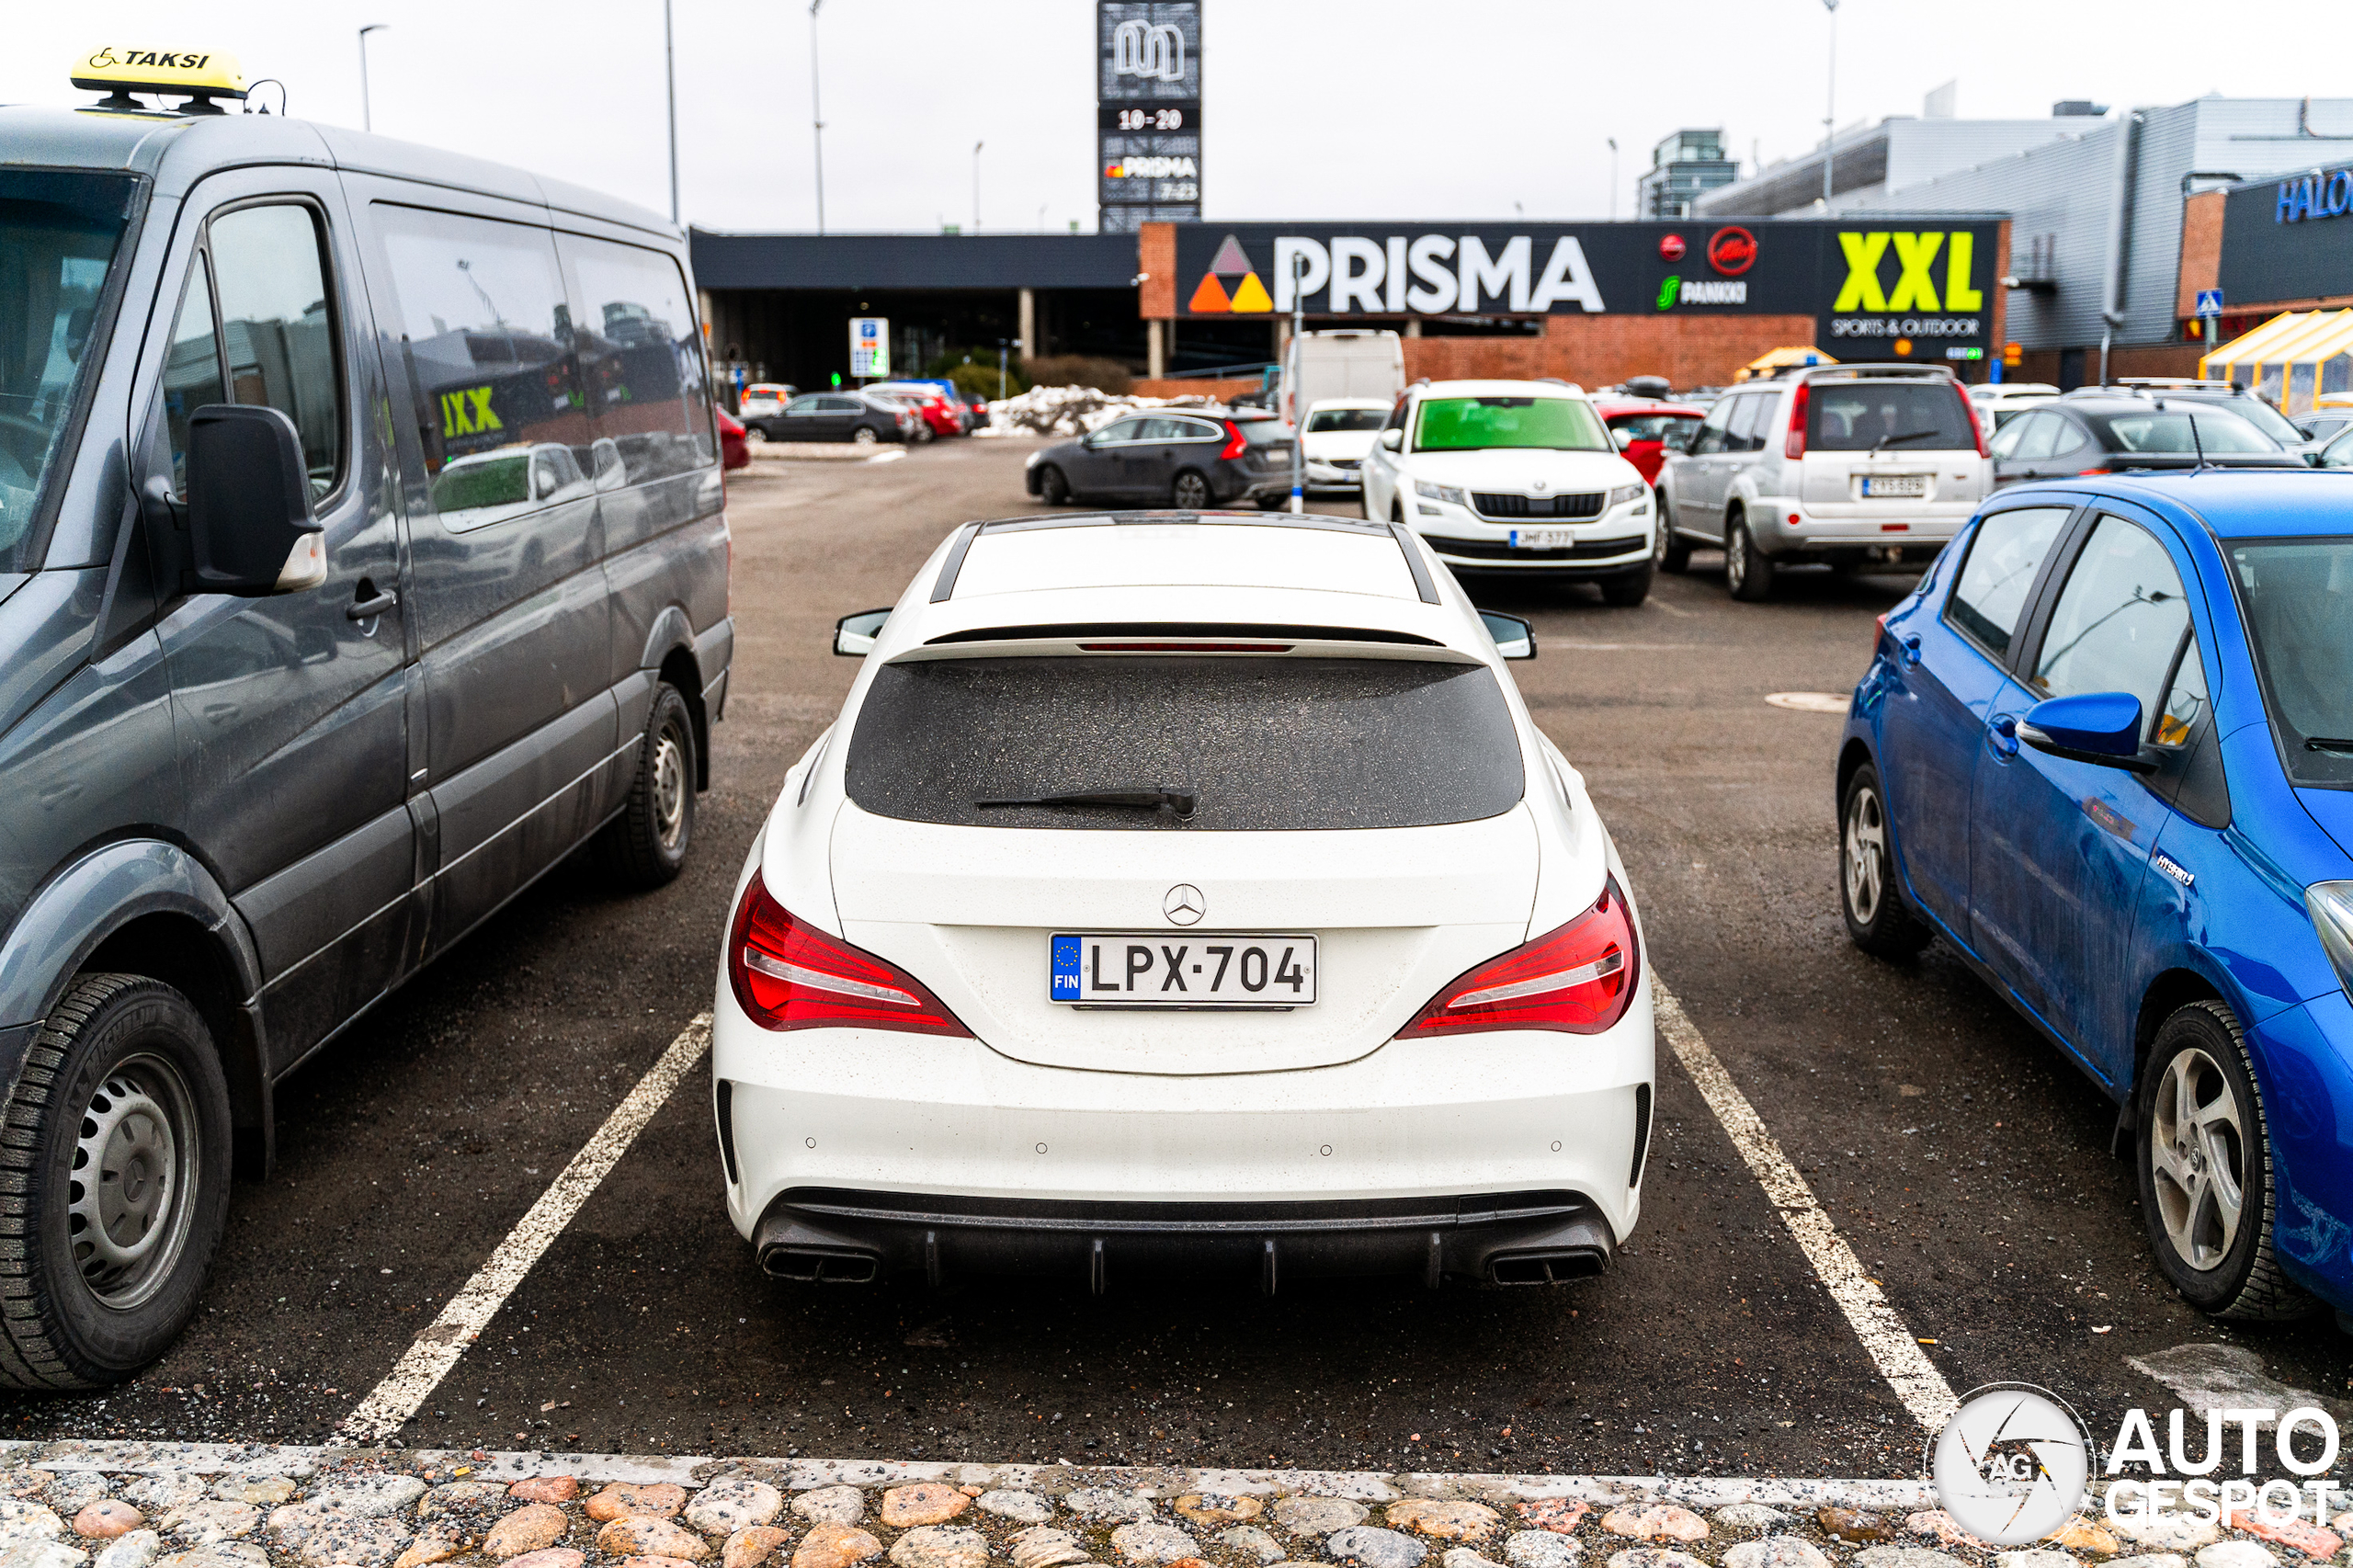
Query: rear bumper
[1913, 534]
[834, 1235]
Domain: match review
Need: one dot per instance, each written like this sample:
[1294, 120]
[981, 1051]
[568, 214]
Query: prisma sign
[1148, 111]
[1894, 292]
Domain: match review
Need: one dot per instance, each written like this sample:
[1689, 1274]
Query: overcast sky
[1313, 108]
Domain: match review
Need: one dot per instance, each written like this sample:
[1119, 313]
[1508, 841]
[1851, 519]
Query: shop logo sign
[1151, 51]
[2011, 1465]
[1915, 282]
[2315, 195]
[1732, 251]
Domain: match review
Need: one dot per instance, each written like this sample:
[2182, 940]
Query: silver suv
[1842, 465]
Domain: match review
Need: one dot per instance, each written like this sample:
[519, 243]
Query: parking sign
[870, 348]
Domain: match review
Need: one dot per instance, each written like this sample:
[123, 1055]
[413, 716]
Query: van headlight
[1451, 494]
[2331, 906]
[1626, 493]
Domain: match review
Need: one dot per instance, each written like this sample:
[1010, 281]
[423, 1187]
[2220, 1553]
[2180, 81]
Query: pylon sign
[1148, 112]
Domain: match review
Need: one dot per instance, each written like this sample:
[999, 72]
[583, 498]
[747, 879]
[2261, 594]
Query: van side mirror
[1393, 439]
[854, 635]
[2102, 728]
[1514, 638]
[251, 527]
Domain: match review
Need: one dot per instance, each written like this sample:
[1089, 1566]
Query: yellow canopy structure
[2290, 360]
[1781, 359]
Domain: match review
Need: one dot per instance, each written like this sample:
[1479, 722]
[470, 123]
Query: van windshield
[58, 234]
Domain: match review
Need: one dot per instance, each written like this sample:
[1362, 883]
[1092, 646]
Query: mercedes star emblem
[1184, 904]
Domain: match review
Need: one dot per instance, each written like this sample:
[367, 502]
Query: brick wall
[2202, 250]
[1689, 349]
[1195, 386]
[1157, 259]
[2149, 359]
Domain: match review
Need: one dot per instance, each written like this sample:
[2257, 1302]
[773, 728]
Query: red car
[1641, 427]
[734, 452]
[938, 412]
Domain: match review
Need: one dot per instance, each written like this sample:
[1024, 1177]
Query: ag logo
[2010, 1465]
[1732, 251]
[1671, 248]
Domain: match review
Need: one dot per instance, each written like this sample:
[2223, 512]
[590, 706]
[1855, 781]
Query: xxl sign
[1148, 112]
[1890, 288]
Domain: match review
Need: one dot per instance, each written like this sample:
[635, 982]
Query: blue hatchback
[2105, 750]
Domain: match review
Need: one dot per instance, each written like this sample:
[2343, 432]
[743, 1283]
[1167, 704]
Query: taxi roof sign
[120, 70]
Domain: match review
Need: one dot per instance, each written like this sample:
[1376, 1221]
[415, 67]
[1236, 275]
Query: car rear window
[2167, 431]
[1856, 416]
[1266, 744]
[1259, 432]
[1320, 420]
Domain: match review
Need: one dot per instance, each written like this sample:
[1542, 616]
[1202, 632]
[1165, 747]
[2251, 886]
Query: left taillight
[1578, 980]
[1976, 426]
[788, 975]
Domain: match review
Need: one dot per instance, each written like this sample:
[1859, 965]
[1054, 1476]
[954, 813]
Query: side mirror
[2099, 727]
[1514, 638]
[1393, 439]
[1623, 437]
[854, 635]
[250, 523]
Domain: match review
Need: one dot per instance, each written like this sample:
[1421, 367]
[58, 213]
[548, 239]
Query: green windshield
[1471, 424]
[58, 234]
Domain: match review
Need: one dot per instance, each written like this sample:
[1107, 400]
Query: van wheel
[2203, 1155]
[646, 845]
[1878, 920]
[114, 1184]
[1672, 552]
[1749, 571]
[1053, 488]
[1190, 492]
[1628, 588]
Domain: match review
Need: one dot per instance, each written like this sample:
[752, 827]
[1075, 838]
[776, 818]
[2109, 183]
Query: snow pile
[1073, 411]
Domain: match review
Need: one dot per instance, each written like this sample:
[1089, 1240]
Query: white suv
[1843, 465]
[1183, 890]
[1517, 477]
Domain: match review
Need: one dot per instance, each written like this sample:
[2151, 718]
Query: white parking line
[434, 1351]
[1898, 1355]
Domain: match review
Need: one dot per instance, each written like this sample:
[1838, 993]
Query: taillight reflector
[1795, 446]
[1576, 979]
[788, 975]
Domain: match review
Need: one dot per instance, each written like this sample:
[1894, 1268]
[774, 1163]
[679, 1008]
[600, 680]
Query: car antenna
[2196, 442]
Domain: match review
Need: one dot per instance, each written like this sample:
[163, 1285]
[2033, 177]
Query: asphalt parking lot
[1964, 1162]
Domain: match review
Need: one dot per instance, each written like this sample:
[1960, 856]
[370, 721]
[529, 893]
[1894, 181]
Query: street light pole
[1830, 102]
[367, 109]
[1291, 388]
[670, 76]
[1613, 180]
[816, 114]
[976, 186]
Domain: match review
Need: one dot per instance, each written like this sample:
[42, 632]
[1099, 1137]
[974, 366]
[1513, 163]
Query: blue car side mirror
[2098, 727]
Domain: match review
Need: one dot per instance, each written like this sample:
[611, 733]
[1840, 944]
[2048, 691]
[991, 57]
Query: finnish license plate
[1894, 485]
[1541, 538]
[1196, 969]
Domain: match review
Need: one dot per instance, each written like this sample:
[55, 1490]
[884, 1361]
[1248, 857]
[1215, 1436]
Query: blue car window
[2298, 594]
[2004, 557]
[2119, 622]
[2187, 702]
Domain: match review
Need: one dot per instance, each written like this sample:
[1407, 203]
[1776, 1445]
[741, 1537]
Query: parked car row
[911, 412]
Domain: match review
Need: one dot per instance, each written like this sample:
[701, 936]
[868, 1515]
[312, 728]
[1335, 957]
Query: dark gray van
[362, 553]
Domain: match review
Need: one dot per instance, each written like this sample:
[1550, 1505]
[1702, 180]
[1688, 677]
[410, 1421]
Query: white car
[1145, 908]
[1998, 402]
[1339, 432]
[1517, 477]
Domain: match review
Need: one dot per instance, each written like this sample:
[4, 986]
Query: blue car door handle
[2002, 735]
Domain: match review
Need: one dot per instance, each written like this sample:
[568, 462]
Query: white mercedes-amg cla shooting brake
[1183, 891]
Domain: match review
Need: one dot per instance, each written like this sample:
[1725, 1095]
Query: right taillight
[1578, 980]
[1235, 441]
[787, 975]
[1795, 446]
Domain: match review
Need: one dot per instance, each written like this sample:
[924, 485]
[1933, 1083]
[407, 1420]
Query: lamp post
[976, 186]
[816, 115]
[367, 111]
[1830, 102]
[1291, 386]
[1613, 180]
[670, 79]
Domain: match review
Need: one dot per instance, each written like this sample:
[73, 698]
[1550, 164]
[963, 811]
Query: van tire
[1748, 571]
[2204, 1043]
[647, 846]
[122, 1066]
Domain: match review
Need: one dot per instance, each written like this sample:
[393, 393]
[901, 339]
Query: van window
[489, 342]
[278, 324]
[192, 366]
[640, 358]
[58, 233]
